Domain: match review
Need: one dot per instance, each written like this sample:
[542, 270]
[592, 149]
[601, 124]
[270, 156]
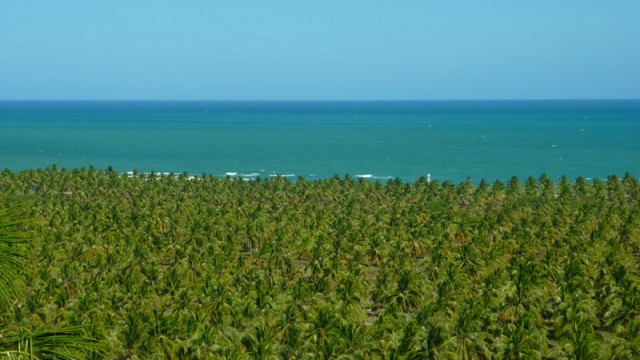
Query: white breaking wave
[238, 175]
[157, 175]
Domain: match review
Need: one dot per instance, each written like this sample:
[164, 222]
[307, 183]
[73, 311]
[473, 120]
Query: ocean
[377, 140]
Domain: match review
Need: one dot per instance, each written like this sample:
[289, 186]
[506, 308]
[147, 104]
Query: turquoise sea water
[451, 140]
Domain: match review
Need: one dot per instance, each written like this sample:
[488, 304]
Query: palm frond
[64, 344]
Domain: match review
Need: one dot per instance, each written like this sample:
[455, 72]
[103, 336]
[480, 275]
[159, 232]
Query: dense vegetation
[218, 268]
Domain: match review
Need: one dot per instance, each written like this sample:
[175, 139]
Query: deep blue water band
[451, 140]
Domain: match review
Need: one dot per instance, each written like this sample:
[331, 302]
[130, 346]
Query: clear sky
[324, 50]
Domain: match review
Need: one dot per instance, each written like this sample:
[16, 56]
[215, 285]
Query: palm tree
[632, 187]
[468, 340]
[322, 330]
[522, 339]
[513, 187]
[260, 343]
[406, 297]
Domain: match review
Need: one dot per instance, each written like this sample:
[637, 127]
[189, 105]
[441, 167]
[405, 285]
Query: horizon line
[322, 100]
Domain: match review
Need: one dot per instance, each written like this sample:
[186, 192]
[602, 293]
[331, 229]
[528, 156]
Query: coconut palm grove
[156, 266]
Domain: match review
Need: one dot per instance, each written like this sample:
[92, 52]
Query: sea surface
[446, 140]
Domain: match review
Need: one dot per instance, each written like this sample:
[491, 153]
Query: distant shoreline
[294, 178]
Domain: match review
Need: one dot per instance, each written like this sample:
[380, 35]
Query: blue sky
[321, 50]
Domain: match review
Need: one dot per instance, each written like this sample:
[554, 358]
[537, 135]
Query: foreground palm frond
[65, 343]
